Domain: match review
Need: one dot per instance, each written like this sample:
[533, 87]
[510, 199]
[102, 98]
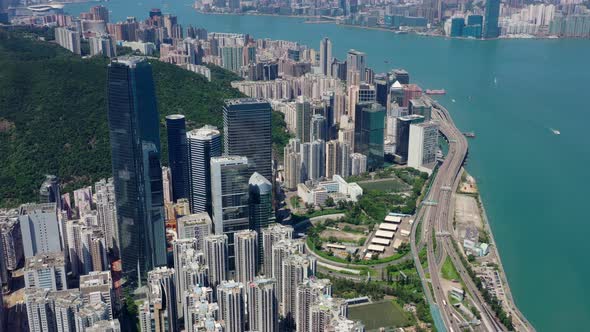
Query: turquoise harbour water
[510, 93]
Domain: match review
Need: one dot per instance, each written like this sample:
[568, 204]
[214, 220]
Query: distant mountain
[53, 117]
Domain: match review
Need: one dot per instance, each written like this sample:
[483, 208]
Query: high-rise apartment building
[98, 287]
[135, 154]
[203, 144]
[358, 163]
[246, 252]
[68, 39]
[247, 130]
[230, 298]
[177, 155]
[325, 311]
[270, 236]
[40, 229]
[280, 251]
[11, 244]
[308, 292]
[263, 310]
[319, 127]
[216, 258]
[107, 212]
[294, 270]
[162, 300]
[229, 191]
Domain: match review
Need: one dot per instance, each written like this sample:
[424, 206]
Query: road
[436, 217]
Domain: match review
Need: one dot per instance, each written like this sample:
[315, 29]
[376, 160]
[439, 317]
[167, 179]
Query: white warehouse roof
[385, 234]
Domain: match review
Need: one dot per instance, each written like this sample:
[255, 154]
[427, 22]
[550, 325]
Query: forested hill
[53, 117]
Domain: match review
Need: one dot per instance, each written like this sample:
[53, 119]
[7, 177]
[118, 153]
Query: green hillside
[53, 116]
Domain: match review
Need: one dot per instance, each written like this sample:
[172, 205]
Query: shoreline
[514, 310]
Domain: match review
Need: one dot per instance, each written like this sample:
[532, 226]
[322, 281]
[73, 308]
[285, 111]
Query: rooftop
[45, 260]
[205, 132]
[196, 218]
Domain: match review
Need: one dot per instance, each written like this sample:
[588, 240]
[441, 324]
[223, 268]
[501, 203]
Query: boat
[436, 92]
[555, 131]
[469, 134]
[453, 100]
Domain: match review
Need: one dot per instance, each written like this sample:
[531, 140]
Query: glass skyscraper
[203, 144]
[492, 12]
[261, 213]
[135, 152]
[177, 155]
[370, 139]
[247, 128]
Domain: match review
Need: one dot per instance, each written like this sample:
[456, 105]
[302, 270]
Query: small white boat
[555, 131]
[453, 100]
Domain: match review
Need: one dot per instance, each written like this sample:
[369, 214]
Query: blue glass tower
[137, 172]
[490, 27]
[177, 155]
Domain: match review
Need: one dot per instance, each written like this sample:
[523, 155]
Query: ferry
[436, 92]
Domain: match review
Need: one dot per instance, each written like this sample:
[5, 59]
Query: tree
[329, 202]
[471, 258]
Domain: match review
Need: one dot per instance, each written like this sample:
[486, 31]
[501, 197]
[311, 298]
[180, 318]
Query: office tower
[356, 61]
[382, 91]
[369, 133]
[308, 292]
[229, 192]
[292, 164]
[107, 212]
[490, 21]
[271, 235]
[316, 159]
[216, 258]
[261, 211]
[47, 271]
[303, 119]
[358, 163]
[280, 250]
[100, 13]
[203, 144]
[325, 56]
[162, 299]
[196, 226]
[402, 76]
[68, 39]
[402, 137]
[105, 326]
[246, 250]
[230, 298]
[396, 94]
[324, 311]
[40, 229]
[135, 154]
[295, 269]
[263, 315]
[241, 119]
[421, 106]
[422, 145]
[457, 25]
[366, 93]
[98, 287]
[177, 155]
[49, 191]
[319, 127]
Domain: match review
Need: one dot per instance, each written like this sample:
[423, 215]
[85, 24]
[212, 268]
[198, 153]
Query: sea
[513, 94]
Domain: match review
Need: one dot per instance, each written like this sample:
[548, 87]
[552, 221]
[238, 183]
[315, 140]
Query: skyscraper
[319, 127]
[325, 56]
[194, 226]
[107, 212]
[308, 292]
[49, 191]
[280, 251]
[295, 269]
[271, 235]
[162, 300]
[46, 271]
[303, 119]
[247, 129]
[356, 61]
[246, 245]
[422, 145]
[229, 192]
[261, 212]
[263, 311]
[230, 298]
[177, 155]
[369, 133]
[135, 153]
[402, 137]
[216, 258]
[490, 23]
[203, 144]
